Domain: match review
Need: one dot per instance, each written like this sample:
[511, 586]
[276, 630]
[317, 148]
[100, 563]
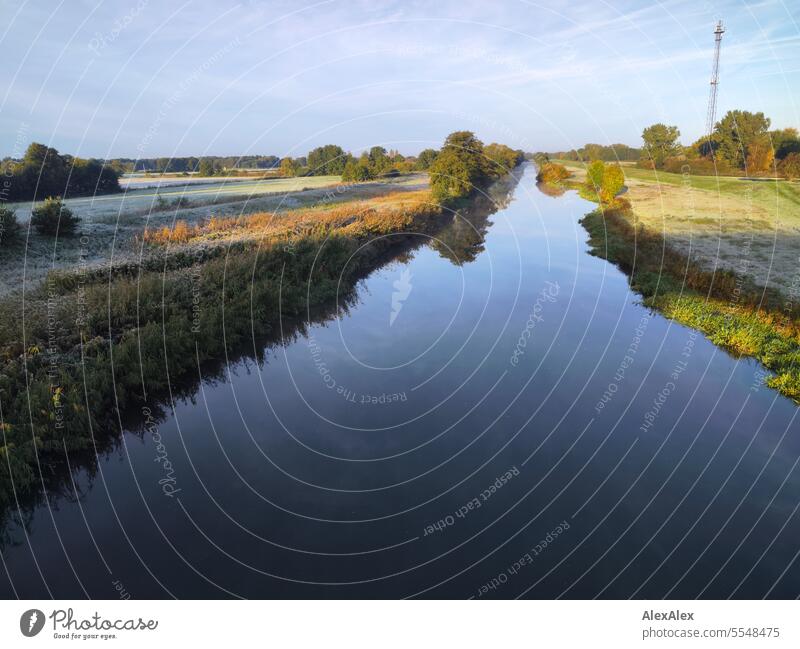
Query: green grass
[772, 195]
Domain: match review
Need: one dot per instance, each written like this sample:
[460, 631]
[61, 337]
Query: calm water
[443, 439]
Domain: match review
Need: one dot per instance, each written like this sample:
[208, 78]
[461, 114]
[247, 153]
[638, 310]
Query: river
[496, 416]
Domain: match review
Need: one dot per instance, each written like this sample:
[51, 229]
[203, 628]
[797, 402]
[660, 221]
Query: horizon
[144, 81]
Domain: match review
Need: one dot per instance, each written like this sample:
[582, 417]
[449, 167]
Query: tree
[450, 177]
[660, 143]
[425, 159]
[594, 175]
[357, 171]
[501, 158]
[459, 168]
[735, 132]
[784, 142]
[328, 160]
[378, 160]
[789, 167]
[206, 167]
[52, 218]
[288, 168]
[613, 182]
[9, 227]
[760, 156]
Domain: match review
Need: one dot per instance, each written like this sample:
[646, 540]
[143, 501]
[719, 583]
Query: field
[112, 226]
[751, 227]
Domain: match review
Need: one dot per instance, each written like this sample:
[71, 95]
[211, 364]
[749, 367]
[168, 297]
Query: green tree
[735, 132]
[501, 158]
[328, 160]
[450, 177]
[459, 168]
[594, 175]
[425, 159]
[52, 218]
[660, 143]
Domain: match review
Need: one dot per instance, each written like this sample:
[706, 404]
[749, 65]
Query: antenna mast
[711, 118]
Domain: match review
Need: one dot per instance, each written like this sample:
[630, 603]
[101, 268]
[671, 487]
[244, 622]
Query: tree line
[741, 142]
[43, 172]
[607, 153]
[190, 164]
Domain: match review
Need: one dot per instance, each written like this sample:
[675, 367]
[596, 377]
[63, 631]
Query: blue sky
[141, 78]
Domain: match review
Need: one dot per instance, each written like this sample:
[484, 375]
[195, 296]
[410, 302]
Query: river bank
[89, 345]
[676, 275]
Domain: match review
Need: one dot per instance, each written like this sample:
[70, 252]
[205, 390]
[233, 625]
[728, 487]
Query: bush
[552, 172]
[789, 167]
[613, 182]
[594, 174]
[9, 227]
[699, 167]
[52, 218]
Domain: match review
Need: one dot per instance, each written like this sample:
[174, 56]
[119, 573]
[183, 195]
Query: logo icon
[402, 289]
[31, 622]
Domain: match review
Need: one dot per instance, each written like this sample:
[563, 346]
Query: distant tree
[594, 175]
[328, 160]
[357, 171]
[541, 158]
[735, 132]
[660, 143]
[9, 226]
[52, 218]
[784, 142]
[613, 182]
[206, 167]
[501, 158]
[425, 159]
[379, 160]
[288, 168]
[789, 167]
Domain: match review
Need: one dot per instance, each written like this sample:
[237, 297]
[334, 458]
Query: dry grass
[390, 213]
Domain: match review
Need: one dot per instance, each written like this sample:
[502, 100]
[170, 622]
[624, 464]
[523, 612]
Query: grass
[729, 309]
[720, 222]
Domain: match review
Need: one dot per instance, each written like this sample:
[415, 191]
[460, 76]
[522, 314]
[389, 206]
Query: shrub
[9, 227]
[52, 218]
[613, 182]
[552, 172]
[789, 167]
[594, 174]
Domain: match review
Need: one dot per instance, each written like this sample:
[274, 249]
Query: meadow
[750, 227]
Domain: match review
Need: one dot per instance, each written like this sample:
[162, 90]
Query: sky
[142, 78]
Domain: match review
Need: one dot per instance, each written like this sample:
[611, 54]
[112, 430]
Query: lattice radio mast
[711, 118]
